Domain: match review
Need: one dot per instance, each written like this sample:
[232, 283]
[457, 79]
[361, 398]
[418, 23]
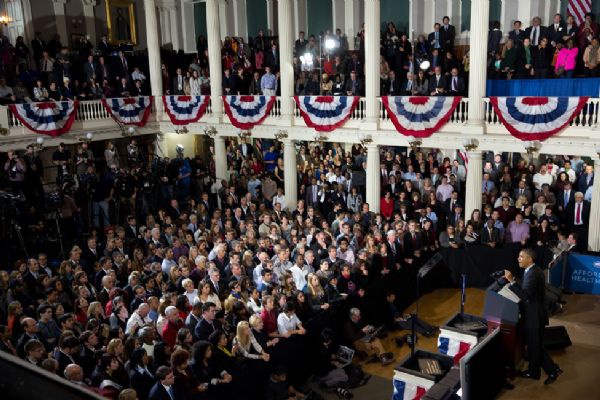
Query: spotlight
[330, 44]
[425, 64]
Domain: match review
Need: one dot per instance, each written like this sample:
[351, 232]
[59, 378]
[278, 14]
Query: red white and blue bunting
[247, 111]
[52, 118]
[536, 118]
[326, 113]
[410, 387]
[185, 110]
[419, 116]
[129, 110]
[455, 344]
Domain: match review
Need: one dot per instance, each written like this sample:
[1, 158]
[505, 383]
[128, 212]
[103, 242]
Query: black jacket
[532, 295]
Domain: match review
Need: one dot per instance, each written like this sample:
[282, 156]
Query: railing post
[4, 117]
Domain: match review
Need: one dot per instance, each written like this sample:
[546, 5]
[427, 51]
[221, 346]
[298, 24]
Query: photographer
[16, 168]
[125, 191]
[34, 174]
[61, 158]
[134, 156]
[83, 159]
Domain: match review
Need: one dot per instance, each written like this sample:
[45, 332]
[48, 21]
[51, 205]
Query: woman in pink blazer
[566, 61]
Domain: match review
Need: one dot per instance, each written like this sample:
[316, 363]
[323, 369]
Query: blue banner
[583, 274]
[544, 87]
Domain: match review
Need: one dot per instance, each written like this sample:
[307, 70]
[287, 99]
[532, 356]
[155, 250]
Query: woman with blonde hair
[96, 311]
[316, 293]
[244, 341]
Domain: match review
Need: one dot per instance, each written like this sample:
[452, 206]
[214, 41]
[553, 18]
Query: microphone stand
[463, 295]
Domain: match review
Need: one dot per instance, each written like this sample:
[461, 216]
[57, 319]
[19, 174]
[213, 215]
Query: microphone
[497, 274]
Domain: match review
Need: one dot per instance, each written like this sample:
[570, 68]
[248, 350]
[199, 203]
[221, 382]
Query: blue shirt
[252, 185]
[270, 156]
[268, 81]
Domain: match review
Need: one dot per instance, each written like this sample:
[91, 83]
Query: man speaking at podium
[531, 291]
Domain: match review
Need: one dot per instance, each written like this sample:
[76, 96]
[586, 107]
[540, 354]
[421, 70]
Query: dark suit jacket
[517, 37]
[175, 90]
[560, 199]
[143, 384]
[410, 245]
[543, 33]
[441, 83]
[90, 70]
[431, 39]
[249, 148]
[309, 196]
[204, 329]
[487, 238]
[358, 87]
[394, 253]
[392, 88]
[555, 35]
[531, 291]
[585, 214]
[460, 86]
[158, 392]
[526, 193]
[582, 184]
[272, 60]
[448, 36]
[452, 218]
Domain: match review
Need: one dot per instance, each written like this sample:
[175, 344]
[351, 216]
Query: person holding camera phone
[15, 168]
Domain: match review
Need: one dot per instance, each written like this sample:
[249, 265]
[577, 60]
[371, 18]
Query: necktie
[170, 391]
[535, 36]
[566, 198]
[454, 84]
[578, 214]
[45, 66]
[437, 39]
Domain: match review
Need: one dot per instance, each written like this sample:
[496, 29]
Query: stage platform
[581, 361]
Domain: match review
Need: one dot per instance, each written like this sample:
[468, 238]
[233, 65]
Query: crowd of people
[209, 286]
[562, 49]
[175, 284]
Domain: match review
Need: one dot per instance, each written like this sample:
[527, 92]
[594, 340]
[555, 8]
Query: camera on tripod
[53, 199]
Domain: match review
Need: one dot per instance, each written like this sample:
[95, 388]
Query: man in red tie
[578, 217]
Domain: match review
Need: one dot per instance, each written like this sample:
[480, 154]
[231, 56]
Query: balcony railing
[94, 112]
[587, 117]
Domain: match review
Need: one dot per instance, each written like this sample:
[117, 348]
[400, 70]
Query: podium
[503, 313]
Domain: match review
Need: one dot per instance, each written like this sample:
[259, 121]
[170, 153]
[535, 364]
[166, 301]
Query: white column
[453, 10]
[373, 178]
[474, 179]
[90, 19]
[160, 145]
[300, 23]
[61, 19]
[337, 8]
[220, 158]
[480, 15]
[372, 38]
[188, 28]
[240, 25]
[214, 55]
[286, 57]
[505, 26]
[175, 28]
[223, 19]
[289, 169]
[156, 87]
[524, 12]
[351, 23]
[594, 232]
[412, 35]
[271, 31]
[429, 15]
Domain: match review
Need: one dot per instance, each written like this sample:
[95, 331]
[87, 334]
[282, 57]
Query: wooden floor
[581, 362]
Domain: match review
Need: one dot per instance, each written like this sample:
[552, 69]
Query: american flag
[258, 145]
[465, 157]
[578, 9]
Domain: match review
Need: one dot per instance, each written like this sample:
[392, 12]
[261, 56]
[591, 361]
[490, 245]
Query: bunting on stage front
[129, 110]
[409, 387]
[326, 113]
[247, 111]
[52, 118]
[536, 118]
[454, 347]
[419, 116]
[185, 110]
